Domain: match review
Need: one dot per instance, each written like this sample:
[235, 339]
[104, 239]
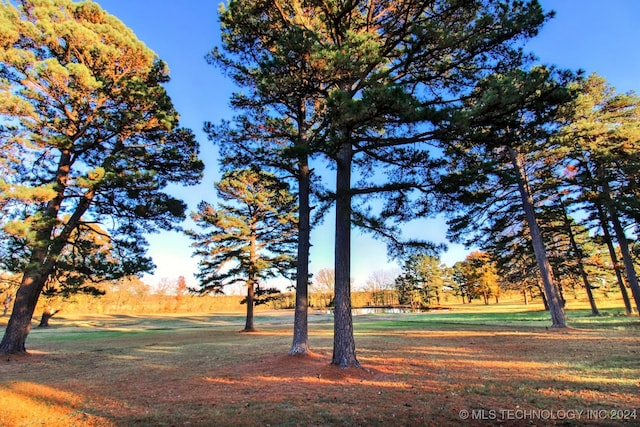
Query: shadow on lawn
[416, 373]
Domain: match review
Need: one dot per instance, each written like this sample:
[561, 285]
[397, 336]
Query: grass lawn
[472, 365]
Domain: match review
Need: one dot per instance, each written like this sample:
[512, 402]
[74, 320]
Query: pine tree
[602, 141]
[511, 119]
[249, 238]
[373, 75]
[268, 51]
[90, 137]
[425, 274]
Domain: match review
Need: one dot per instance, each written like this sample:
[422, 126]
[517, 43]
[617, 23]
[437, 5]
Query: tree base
[14, 355]
[14, 351]
[347, 364]
[299, 349]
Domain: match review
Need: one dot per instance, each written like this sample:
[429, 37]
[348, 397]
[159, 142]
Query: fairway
[438, 368]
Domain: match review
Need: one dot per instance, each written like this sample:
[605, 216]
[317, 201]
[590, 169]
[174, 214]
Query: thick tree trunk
[33, 280]
[344, 347]
[19, 325]
[551, 290]
[300, 343]
[251, 281]
[43, 258]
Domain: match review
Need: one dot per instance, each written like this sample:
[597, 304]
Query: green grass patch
[534, 319]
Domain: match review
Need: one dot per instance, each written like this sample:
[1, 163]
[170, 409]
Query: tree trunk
[300, 343]
[543, 296]
[551, 290]
[622, 241]
[626, 257]
[19, 325]
[7, 304]
[251, 284]
[587, 286]
[248, 325]
[344, 347]
[36, 274]
[604, 224]
[577, 253]
[43, 258]
[47, 314]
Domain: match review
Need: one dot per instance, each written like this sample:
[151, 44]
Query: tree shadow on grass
[413, 375]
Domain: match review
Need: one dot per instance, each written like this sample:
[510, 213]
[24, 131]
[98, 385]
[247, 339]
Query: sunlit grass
[24, 402]
[420, 369]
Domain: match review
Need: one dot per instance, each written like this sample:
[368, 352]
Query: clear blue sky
[592, 35]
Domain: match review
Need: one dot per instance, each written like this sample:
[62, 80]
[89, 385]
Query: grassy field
[497, 365]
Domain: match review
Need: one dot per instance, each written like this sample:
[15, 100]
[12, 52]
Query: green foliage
[600, 144]
[264, 296]
[423, 280]
[363, 83]
[90, 139]
[250, 236]
[520, 111]
[369, 75]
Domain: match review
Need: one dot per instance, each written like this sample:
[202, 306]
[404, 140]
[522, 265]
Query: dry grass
[419, 369]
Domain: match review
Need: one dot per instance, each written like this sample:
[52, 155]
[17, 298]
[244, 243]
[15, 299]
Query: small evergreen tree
[249, 238]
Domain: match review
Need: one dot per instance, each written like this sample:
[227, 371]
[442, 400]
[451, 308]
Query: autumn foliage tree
[249, 238]
[89, 137]
[479, 275]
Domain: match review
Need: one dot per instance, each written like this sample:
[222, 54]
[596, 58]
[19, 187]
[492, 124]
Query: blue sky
[592, 35]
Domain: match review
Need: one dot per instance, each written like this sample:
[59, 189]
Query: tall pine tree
[89, 136]
[378, 73]
[511, 116]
